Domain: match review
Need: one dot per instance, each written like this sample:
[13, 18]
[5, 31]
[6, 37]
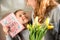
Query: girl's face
[22, 17]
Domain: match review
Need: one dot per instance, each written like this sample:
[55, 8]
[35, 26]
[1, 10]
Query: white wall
[11, 5]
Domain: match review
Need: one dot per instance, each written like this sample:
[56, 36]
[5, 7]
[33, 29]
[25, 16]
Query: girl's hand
[5, 29]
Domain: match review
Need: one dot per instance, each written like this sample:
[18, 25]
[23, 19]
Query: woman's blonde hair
[42, 9]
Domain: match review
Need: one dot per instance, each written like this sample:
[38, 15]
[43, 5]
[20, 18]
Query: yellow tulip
[35, 21]
[50, 27]
[47, 21]
[32, 26]
[28, 26]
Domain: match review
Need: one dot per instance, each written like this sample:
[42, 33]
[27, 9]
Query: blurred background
[11, 6]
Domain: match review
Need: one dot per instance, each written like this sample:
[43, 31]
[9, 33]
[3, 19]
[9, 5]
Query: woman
[24, 19]
[48, 8]
[31, 3]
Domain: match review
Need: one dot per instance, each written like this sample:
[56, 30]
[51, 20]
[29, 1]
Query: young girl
[44, 9]
[24, 19]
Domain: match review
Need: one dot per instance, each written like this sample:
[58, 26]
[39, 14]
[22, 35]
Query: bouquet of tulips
[37, 30]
